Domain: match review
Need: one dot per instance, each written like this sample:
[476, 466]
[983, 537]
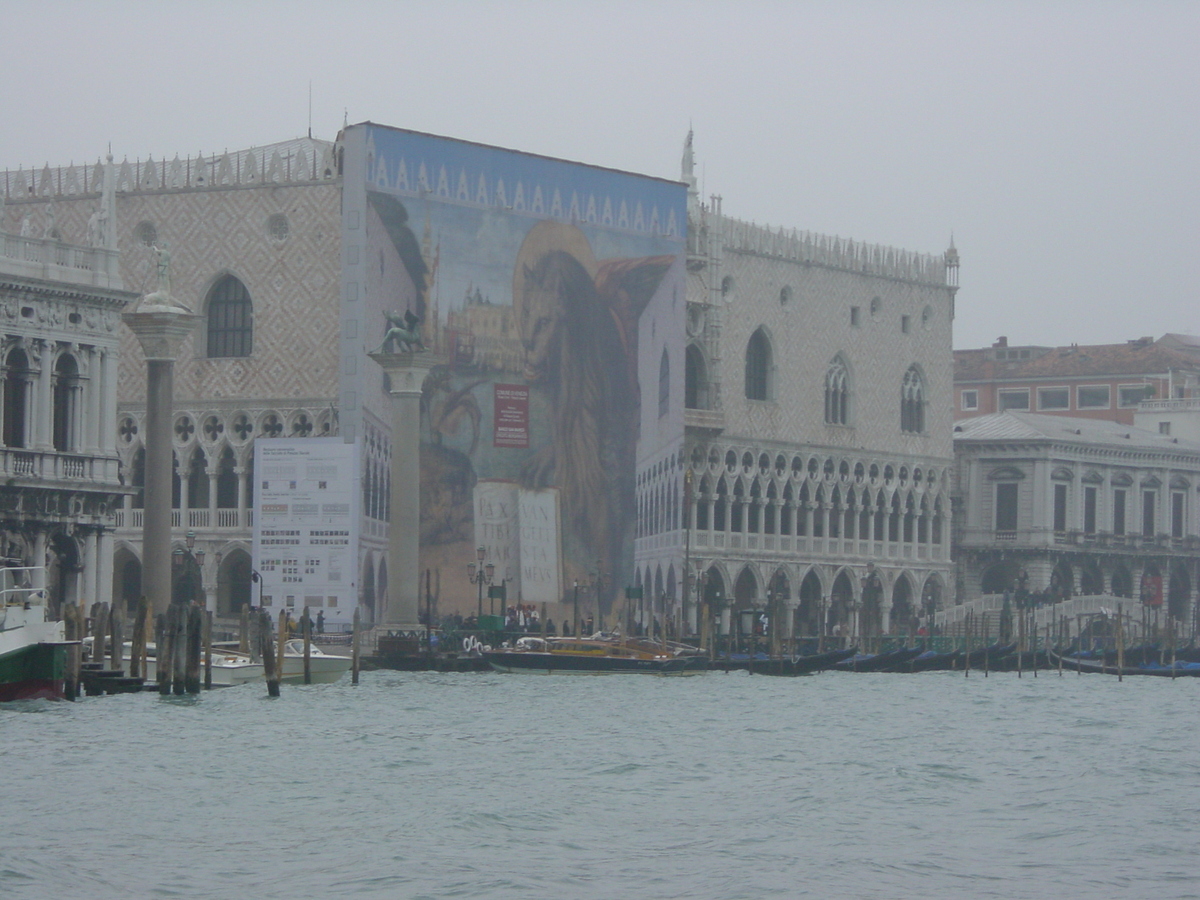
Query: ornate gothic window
[912, 402]
[230, 319]
[695, 381]
[758, 367]
[664, 384]
[837, 393]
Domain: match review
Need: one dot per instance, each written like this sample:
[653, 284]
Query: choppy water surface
[715, 786]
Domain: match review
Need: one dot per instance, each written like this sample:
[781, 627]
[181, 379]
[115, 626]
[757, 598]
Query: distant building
[810, 432]
[60, 316]
[1081, 506]
[1097, 381]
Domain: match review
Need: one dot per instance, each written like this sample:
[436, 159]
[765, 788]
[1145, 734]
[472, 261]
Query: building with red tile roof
[1097, 381]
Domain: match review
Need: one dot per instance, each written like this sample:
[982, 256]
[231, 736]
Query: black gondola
[802, 665]
[877, 662]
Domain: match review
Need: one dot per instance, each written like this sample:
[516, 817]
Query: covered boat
[598, 654]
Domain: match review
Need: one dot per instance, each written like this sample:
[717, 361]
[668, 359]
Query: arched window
[837, 393]
[197, 480]
[227, 480]
[66, 396]
[664, 384]
[912, 402]
[695, 379]
[758, 367]
[230, 319]
[17, 378]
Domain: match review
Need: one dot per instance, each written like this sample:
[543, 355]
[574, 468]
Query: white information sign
[306, 527]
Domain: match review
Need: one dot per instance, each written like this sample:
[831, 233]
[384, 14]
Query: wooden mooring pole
[137, 666]
[306, 629]
[208, 617]
[354, 638]
[1120, 637]
[266, 649]
[117, 640]
[195, 639]
[71, 633]
[163, 657]
[283, 636]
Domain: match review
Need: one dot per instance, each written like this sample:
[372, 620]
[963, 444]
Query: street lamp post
[480, 575]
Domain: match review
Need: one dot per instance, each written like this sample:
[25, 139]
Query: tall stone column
[161, 325]
[406, 374]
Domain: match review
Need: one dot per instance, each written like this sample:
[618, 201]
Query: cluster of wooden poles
[184, 647]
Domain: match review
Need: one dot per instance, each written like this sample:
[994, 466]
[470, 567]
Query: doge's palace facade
[807, 433]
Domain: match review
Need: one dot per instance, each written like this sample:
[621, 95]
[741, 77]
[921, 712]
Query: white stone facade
[1086, 506]
[793, 496]
[60, 314]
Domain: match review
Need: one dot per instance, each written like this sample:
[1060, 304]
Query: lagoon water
[721, 786]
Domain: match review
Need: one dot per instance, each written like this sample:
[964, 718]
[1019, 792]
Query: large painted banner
[529, 276]
[306, 527]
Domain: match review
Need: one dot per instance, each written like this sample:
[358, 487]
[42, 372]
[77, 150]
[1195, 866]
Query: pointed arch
[758, 366]
[912, 401]
[837, 392]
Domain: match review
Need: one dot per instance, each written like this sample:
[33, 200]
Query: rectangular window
[969, 400]
[1060, 508]
[1130, 395]
[854, 320]
[1098, 396]
[1148, 514]
[1014, 400]
[1118, 511]
[1089, 510]
[1164, 427]
[1176, 514]
[1006, 506]
[1054, 398]
[904, 324]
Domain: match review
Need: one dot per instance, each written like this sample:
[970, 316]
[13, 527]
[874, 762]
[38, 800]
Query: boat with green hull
[33, 652]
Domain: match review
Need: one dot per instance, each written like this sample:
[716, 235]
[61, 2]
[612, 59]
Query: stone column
[161, 328]
[406, 374]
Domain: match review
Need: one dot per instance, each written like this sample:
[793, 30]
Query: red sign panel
[510, 424]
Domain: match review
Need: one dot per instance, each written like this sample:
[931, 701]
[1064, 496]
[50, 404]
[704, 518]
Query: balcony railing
[49, 464]
[226, 519]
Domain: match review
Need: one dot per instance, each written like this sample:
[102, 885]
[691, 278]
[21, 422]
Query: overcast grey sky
[1058, 141]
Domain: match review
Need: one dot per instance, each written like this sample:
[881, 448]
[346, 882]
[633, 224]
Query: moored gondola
[803, 665]
[1181, 668]
[877, 662]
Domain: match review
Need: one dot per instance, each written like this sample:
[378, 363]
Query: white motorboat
[231, 667]
[326, 668]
